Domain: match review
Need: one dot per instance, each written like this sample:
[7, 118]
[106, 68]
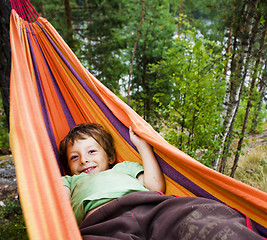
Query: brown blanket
[150, 215]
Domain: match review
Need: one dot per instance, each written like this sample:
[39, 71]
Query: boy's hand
[136, 140]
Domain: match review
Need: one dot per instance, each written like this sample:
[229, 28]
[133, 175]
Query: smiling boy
[90, 155]
[118, 201]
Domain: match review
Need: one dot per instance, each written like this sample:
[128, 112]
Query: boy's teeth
[88, 170]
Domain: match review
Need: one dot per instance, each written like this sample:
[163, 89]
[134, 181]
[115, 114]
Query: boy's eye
[91, 151]
[73, 158]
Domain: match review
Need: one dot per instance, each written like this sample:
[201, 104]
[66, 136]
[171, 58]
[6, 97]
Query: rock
[8, 183]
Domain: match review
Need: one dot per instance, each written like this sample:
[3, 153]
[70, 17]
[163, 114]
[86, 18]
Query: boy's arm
[152, 177]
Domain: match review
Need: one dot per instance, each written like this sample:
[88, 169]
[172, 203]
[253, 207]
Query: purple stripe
[183, 181]
[66, 111]
[261, 229]
[62, 101]
[41, 96]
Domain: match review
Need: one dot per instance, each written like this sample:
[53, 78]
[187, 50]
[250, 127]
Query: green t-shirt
[89, 191]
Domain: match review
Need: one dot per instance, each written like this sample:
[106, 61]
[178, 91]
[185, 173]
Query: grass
[252, 168]
[12, 224]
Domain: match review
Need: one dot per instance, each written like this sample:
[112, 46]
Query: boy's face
[87, 156]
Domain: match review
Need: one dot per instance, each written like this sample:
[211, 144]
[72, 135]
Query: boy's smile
[89, 169]
[86, 155]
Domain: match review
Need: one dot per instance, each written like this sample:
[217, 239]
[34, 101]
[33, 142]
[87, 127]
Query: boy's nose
[83, 160]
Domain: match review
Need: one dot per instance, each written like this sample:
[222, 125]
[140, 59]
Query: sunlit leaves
[194, 103]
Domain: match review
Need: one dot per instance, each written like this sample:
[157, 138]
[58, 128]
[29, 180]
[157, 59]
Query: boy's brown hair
[83, 131]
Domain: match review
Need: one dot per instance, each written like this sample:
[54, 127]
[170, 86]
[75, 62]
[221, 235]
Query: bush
[193, 71]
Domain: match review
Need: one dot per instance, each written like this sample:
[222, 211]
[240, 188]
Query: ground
[8, 184]
[256, 140]
[12, 224]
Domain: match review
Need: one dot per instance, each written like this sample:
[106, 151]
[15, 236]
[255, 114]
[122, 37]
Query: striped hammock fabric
[50, 93]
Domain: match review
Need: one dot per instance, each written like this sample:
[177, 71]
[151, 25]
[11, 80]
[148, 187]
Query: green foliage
[193, 70]
[103, 23]
[210, 17]
[12, 224]
[156, 33]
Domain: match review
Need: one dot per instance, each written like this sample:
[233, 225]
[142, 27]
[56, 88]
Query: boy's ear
[111, 160]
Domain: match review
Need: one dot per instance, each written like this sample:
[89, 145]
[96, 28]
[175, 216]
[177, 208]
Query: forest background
[195, 70]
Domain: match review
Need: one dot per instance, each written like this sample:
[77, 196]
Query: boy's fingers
[131, 130]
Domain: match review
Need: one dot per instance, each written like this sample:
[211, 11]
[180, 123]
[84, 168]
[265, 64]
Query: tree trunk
[182, 131]
[262, 88]
[237, 64]
[242, 30]
[247, 60]
[229, 41]
[135, 45]
[249, 103]
[145, 86]
[42, 9]
[179, 19]
[69, 36]
[5, 54]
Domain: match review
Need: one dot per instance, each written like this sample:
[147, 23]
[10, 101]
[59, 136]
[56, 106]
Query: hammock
[50, 93]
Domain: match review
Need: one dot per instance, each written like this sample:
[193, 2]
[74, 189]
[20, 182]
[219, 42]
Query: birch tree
[246, 67]
[242, 31]
[257, 70]
[262, 92]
